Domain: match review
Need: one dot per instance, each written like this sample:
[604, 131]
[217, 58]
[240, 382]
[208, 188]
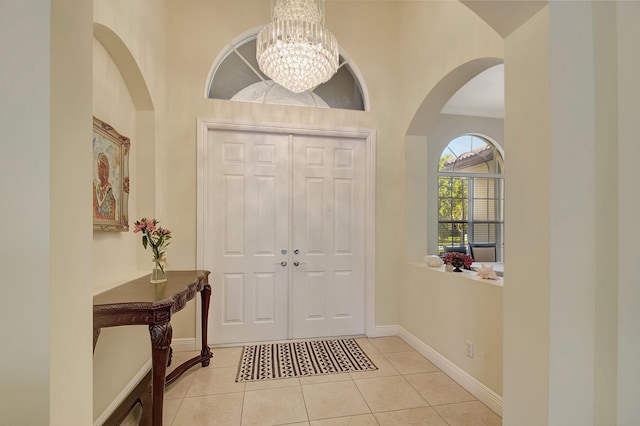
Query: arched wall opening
[428, 134]
[143, 167]
[126, 63]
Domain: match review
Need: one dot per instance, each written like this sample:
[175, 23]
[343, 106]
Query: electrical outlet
[469, 349]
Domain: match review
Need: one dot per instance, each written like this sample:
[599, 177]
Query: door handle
[283, 263]
[296, 263]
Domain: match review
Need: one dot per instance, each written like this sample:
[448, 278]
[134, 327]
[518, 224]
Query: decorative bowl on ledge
[457, 260]
[457, 264]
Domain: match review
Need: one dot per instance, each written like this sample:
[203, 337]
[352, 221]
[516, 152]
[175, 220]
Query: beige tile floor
[406, 389]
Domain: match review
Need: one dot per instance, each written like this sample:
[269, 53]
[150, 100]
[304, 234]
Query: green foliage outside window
[452, 209]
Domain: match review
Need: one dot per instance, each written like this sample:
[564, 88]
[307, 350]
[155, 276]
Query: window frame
[329, 92]
[469, 222]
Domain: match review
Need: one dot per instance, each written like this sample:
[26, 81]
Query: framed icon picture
[110, 178]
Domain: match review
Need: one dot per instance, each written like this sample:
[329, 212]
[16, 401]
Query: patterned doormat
[297, 359]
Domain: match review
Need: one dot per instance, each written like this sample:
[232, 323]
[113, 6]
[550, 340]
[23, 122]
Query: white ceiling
[482, 96]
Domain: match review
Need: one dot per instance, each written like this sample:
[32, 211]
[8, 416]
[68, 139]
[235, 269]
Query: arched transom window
[471, 195]
[237, 76]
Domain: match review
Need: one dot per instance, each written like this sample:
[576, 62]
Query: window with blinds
[471, 194]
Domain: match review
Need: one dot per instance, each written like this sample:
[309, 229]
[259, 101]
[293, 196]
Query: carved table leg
[160, 344]
[147, 405]
[205, 352]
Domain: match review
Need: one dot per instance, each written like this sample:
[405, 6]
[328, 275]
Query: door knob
[283, 263]
[296, 263]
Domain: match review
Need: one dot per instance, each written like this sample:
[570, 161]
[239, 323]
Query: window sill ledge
[470, 275]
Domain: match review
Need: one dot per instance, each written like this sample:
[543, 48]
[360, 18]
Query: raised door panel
[328, 230]
[248, 211]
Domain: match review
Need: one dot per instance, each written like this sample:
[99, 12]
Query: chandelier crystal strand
[296, 50]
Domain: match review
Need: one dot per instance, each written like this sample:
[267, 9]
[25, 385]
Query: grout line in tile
[244, 393]
[364, 399]
[351, 379]
[304, 401]
[173, 420]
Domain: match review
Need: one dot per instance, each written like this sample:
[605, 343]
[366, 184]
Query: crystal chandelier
[296, 50]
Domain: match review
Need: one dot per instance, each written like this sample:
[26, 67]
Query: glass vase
[158, 274]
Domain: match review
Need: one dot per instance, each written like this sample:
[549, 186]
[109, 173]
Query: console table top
[142, 291]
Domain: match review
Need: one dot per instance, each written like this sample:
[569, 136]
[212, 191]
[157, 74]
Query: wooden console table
[140, 302]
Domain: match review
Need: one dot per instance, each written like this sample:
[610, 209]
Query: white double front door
[285, 224]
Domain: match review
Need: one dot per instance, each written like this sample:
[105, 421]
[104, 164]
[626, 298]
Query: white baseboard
[123, 394]
[464, 379]
[184, 345]
[384, 331]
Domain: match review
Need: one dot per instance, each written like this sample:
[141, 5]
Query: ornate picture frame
[110, 178]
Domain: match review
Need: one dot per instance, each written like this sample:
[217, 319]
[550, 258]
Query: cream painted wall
[526, 301]
[606, 154]
[425, 55]
[571, 350]
[122, 351]
[70, 319]
[140, 28]
[628, 314]
[442, 310]
[570, 346]
[141, 25]
[415, 189]
[25, 389]
[45, 115]
[445, 310]
[573, 227]
[112, 104]
[123, 101]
